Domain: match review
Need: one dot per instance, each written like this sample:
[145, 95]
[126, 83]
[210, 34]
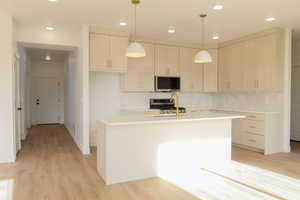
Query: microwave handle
[155, 83]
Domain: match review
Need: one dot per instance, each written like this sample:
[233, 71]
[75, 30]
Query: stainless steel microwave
[167, 84]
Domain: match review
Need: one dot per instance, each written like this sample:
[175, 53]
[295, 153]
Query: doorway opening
[45, 88]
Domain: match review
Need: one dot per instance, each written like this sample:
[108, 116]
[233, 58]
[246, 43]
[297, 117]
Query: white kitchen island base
[134, 151]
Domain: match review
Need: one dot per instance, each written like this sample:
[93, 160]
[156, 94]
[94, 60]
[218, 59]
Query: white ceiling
[238, 18]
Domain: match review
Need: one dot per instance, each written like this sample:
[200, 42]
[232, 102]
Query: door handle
[19, 109]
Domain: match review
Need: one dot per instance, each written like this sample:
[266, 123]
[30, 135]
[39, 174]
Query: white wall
[39, 35]
[44, 69]
[7, 147]
[107, 99]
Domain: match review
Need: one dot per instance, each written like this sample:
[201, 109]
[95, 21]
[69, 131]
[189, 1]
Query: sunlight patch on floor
[228, 181]
[6, 189]
[274, 183]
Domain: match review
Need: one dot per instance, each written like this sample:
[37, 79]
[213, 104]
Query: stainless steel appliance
[166, 106]
[167, 84]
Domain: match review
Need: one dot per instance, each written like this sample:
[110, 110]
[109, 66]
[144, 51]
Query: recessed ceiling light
[270, 19]
[218, 7]
[48, 57]
[171, 29]
[52, 0]
[123, 23]
[215, 36]
[50, 28]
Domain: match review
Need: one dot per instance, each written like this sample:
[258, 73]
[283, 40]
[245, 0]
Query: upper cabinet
[210, 73]
[262, 63]
[191, 73]
[140, 72]
[231, 68]
[107, 53]
[198, 77]
[252, 64]
[167, 60]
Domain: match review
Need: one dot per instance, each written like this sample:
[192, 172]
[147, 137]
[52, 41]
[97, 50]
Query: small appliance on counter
[166, 106]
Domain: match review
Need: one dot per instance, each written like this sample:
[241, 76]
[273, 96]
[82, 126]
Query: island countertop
[155, 117]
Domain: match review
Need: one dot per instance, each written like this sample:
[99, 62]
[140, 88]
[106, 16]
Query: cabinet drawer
[255, 141]
[256, 127]
[258, 117]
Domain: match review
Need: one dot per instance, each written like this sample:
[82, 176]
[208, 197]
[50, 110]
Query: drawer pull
[252, 126]
[251, 140]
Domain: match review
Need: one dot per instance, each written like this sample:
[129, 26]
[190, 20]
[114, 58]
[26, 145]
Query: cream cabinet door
[118, 47]
[210, 71]
[262, 63]
[140, 72]
[231, 68]
[238, 131]
[99, 52]
[258, 58]
[167, 61]
[224, 70]
[191, 73]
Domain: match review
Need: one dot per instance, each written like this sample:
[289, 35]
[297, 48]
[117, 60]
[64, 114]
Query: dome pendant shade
[203, 57]
[135, 50]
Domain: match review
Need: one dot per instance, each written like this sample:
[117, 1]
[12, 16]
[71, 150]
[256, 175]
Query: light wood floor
[283, 163]
[50, 166]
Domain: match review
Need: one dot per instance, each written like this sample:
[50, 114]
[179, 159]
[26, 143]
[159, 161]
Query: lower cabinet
[259, 132]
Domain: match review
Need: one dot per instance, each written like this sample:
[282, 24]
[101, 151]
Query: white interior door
[46, 100]
[17, 104]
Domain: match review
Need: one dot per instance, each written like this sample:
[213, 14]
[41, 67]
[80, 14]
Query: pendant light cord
[135, 23]
[203, 31]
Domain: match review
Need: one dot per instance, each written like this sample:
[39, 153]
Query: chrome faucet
[175, 97]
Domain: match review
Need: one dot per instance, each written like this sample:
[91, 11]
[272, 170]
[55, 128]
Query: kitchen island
[138, 146]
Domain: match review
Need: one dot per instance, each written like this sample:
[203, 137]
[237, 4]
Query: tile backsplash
[249, 101]
[107, 99]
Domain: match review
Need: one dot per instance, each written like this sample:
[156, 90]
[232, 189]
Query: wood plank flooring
[283, 163]
[50, 166]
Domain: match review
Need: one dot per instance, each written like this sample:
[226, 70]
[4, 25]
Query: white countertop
[155, 117]
[242, 111]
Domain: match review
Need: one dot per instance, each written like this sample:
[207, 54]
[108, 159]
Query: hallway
[51, 167]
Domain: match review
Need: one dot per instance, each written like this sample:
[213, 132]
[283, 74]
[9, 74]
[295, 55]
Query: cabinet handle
[252, 126]
[168, 71]
[140, 84]
[228, 84]
[256, 84]
[109, 63]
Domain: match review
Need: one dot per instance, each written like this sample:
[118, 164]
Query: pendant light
[135, 50]
[203, 56]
